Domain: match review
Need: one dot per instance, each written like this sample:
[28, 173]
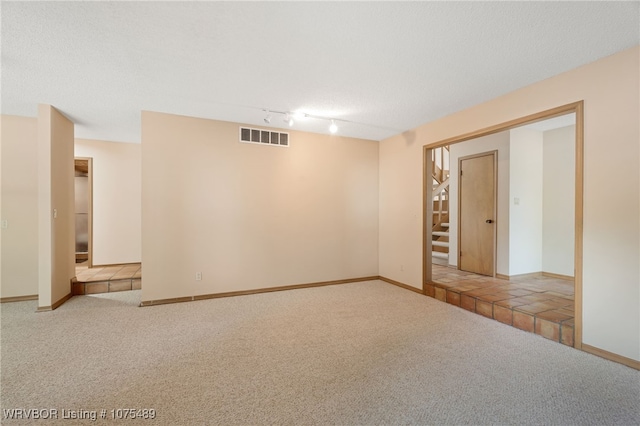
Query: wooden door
[477, 213]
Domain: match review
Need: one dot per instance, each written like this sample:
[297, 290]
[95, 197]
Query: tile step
[108, 286]
[559, 328]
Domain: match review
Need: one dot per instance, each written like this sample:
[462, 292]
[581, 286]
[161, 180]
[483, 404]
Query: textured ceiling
[383, 67]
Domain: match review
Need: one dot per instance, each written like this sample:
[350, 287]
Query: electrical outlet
[5, 224]
[402, 267]
[198, 276]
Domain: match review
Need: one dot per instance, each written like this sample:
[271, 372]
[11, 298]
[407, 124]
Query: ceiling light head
[333, 127]
[267, 119]
[299, 115]
[288, 119]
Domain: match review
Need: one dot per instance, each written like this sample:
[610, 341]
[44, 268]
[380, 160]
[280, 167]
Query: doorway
[557, 313]
[477, 213]
[83, 188]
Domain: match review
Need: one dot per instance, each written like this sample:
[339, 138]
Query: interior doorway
[477, 213]
[83, 188]
[549, 300]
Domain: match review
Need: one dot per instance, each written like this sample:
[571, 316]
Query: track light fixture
[288, 117]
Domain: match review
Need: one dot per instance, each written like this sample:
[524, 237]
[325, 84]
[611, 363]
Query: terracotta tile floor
[107, 279]
[538, 304]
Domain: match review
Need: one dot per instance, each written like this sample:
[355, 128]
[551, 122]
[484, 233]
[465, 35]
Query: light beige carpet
[363, 353]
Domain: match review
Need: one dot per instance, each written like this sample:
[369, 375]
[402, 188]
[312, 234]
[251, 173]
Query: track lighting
[288, 117]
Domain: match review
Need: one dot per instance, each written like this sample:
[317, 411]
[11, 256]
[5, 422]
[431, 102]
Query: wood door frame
[578, 109]
[494, 154]
[89, 161]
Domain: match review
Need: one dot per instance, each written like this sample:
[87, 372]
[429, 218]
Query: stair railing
[441, 193]
[440, 169]
[441, 177]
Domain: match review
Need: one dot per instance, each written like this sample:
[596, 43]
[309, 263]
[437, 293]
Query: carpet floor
[355, 354]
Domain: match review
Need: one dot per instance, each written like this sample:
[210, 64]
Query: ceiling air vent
[264, 137]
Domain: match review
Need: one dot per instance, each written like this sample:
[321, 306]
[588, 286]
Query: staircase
[440, 222]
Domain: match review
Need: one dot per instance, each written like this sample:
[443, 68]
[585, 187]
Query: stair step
[440, 243]
[440, 233]
[439, 255]
[442, 212]
[445, 224]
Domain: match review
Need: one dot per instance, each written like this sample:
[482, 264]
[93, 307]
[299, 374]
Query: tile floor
[538, 304]
[107, 279]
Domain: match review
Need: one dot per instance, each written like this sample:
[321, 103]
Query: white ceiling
[384, 67]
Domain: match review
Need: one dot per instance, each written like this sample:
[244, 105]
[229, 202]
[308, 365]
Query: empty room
[320, 212]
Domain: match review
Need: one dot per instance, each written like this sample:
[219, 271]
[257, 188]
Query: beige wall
[526, 172]
[611, 285]
[116, 200]
[19, 177]
[249, 216]
[56, 209]
[559, 201]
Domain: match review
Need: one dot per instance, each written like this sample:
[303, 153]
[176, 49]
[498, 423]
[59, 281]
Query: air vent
[264, 137]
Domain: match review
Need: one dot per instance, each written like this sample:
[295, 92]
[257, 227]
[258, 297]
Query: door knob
[488, 221]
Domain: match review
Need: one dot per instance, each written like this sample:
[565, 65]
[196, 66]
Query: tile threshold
[109, 286]
[107, 279]
[553, 320]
